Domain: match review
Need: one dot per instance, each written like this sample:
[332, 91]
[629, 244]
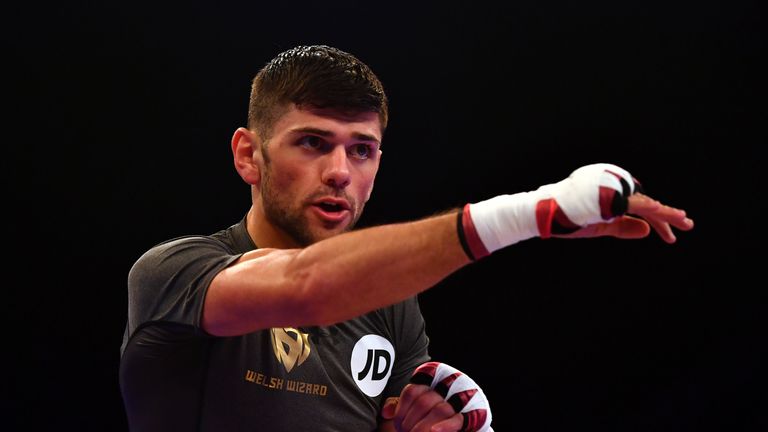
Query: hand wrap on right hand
[591, 194]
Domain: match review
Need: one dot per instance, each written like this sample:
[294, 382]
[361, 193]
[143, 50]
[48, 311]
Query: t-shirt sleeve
[412, 345]
[169, 282]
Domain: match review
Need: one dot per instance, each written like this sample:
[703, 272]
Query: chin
[328, 232]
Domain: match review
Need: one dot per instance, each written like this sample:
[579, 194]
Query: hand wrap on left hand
[460, 391]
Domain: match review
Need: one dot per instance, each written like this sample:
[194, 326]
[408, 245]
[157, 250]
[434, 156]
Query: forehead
[332, 120]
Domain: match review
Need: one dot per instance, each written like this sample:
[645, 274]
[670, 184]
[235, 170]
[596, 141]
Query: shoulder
[173, 256]
[190, 242]
[181, 246]
[170, 280]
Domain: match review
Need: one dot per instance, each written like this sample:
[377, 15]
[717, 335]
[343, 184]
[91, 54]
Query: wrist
[500, 221]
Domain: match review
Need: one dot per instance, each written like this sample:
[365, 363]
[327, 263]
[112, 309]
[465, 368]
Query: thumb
[390, 406]
[623, 227]
[628, 227]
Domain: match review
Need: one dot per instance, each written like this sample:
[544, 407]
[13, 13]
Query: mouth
[332, 209]
[333, 204]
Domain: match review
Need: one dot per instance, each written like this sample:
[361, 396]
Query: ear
[247, 155]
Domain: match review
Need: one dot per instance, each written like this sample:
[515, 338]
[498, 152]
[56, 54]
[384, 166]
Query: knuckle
[411, 391]
[422, 404]
[444, 409]
[427, 401]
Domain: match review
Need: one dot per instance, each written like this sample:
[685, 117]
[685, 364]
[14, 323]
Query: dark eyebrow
[327, 133]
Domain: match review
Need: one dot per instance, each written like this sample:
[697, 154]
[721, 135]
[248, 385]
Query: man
[289, 320]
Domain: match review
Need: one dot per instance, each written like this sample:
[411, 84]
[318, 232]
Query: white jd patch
[371, 364]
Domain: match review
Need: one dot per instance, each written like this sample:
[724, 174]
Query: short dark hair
[319, 76]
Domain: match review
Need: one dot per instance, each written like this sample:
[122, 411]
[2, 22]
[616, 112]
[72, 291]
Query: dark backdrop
[118, 121]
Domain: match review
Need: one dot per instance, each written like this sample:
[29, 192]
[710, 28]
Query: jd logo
[371, 364]
[378, 374]
[291, 346]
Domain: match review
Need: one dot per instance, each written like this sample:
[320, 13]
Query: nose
[336, 172]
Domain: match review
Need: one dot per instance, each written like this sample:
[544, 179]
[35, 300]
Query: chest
[331, 375]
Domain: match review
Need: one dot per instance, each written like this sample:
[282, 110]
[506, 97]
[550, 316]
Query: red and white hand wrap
[591, 194]
[460, 391]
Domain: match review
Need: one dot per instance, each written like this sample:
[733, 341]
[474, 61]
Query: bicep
[255, 292]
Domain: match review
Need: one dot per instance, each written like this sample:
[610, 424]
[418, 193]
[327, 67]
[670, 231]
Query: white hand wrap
[460, 391]
[591, 194]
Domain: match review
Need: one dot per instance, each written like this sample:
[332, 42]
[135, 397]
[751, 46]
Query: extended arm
[356, 272]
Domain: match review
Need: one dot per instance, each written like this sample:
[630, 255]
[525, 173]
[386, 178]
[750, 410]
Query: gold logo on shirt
[291, 346]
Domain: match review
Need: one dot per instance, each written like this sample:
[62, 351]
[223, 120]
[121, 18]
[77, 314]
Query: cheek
[286, 178]
[366, 185]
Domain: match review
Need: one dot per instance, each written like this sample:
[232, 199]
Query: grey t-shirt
[175, 376]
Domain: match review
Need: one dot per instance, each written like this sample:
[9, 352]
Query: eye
[361, 151]
[312, 142]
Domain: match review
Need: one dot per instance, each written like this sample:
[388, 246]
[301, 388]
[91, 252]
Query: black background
[118, 121]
